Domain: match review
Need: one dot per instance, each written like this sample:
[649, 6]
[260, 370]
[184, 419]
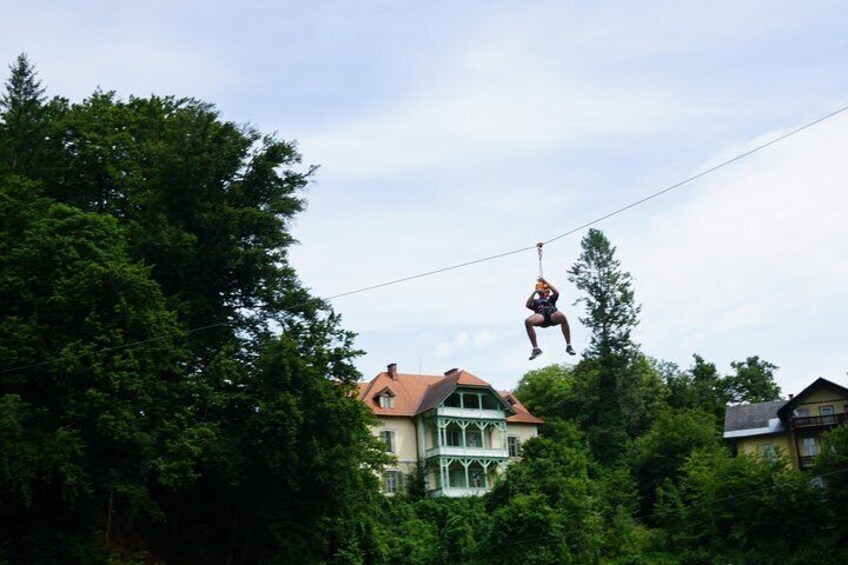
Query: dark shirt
[545, 305]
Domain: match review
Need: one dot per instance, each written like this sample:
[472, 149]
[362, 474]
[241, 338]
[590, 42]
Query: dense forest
[171, 393]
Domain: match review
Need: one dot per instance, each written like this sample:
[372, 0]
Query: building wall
[523, 432]
[782, 442]
[406, 448]
[409, 450]
[824, 397]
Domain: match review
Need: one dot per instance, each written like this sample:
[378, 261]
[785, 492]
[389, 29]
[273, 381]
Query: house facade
[793, 426]
[454, 432]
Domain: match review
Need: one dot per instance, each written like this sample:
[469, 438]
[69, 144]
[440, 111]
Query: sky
[452, 131]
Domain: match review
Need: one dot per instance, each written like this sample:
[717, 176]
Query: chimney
[452, 371]
[391, 369]
[791, 396]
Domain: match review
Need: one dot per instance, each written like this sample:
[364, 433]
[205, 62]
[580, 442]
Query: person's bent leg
[559, 318]
[529, 324]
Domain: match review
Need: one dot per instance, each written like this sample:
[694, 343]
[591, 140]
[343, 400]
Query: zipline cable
[702, 173]
[605, 216]
[474, 261]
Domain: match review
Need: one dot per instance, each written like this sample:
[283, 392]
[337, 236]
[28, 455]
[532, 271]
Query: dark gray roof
[751, 416]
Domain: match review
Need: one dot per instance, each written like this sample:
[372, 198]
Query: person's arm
[529, 302]
[554, 291]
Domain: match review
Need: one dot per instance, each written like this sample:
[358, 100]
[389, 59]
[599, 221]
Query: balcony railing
[476, 413]
[458, 451]
[806, 461]
[454, 492]
[820, 421]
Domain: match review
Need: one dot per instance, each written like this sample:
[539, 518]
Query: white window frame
[767, 450]
[828, 414]
[389, 438]
[809, 446]
[513, 447]
[391, 481]
[387, 401]
[477, 478]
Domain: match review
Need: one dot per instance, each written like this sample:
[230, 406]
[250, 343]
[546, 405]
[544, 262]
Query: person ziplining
[545, 312]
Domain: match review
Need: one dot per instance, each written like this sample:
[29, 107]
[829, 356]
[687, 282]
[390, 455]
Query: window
[767, 450]
[387, 400]
[802, 413]
[453, 401]
[809, 447]
[490, 402]
[391, 482]
[454, 437]
[827, 413]
[477, 478]
[513, 445]
[470, 401]
[388, 438]
[456, 476]
[473, 438]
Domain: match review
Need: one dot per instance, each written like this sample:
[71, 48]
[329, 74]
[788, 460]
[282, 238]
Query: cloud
[492, 96]
[753, 246]
[447, 348]
[483, 339]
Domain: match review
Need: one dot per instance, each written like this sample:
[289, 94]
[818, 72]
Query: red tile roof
[415, 394]
[522, 415]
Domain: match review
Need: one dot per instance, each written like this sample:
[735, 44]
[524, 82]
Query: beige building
[454, 432]
[793, 426]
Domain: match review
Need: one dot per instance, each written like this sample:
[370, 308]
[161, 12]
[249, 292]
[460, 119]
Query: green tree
[611, 315]
[22, 113]
[552, 392]
[100, 423]
[29, 136]
[611, 309]
[753, 381]
[558, 506]
[745, 509]
[701, 387]
[662, 451]
[205, 203]
[207, 398]
[832, 466]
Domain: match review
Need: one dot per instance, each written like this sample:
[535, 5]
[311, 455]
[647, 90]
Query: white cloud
[483, 339]
[447, 348]
[752, 249]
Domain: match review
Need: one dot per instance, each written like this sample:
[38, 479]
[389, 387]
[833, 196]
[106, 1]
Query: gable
[484, 398]
[820, 393]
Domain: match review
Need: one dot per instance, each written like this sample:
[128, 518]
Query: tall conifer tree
[611, 315]
[22, 117]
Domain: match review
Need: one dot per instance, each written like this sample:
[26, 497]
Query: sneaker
[535, 353]
[570, 350]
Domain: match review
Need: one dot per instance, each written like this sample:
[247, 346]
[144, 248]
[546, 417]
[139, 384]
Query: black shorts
[547, 314]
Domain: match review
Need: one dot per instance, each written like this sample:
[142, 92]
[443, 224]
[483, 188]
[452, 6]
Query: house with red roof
[453, 431]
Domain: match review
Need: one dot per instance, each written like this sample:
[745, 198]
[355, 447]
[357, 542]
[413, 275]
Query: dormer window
[385, 398]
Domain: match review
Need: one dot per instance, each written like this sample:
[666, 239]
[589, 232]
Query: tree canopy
[165, 375]
[171, 393]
